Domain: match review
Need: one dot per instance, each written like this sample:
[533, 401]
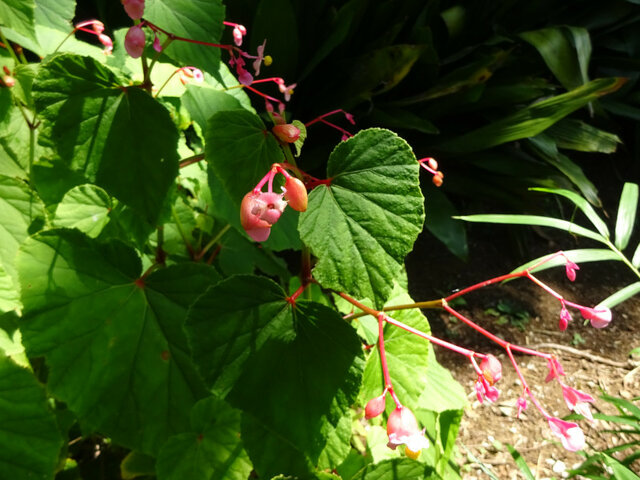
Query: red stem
[383, 360]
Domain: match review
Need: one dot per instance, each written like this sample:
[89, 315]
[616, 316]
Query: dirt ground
[595, 361]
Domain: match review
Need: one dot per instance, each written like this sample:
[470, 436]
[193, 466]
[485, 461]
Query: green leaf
[621, 295]
[298, 415]
[396, 469]
[620, 472]
[441, 223]
[534, 119]
[582, 204]
[636, 257]
[578, 256]
[29, 438]
[121, 138]
[570, 227]
[546, 148]
[194, 19]
[222, 342]
[113, 342]
[578, 135]
[19, 16]
[303, 136]
[240, 149]
[137, 464]
[565, 50]
[399, 118]
[21, 213]
[203, 101]
[521, 463]
[85, 207]
[212, 450]
[9, 296]
[363, 224]
[407, 355]
[626, 214]
[14, 144]
[441, 391]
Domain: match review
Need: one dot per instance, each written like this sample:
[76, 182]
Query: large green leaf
[85, 207]
[193, 19]
[298, 414]
[19, 16]
[363, 224]
[565, 50]
[212, 450]
[532, 120]
[396, 469]
[407, 356]
[113, 342]
[241, 150]
[14, 144]
[230, 321]
[29, 437]
[21, 212]
[119, 137]
[203, 101]
[626, 214]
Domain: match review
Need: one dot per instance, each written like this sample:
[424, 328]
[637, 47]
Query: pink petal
[569, 433]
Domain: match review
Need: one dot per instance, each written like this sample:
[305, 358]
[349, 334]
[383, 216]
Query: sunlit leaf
[396, 469]
[579, 256]
[621, 295]
[626, 218]
[86, 208]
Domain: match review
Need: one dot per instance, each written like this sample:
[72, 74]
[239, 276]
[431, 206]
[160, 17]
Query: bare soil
[595, 361]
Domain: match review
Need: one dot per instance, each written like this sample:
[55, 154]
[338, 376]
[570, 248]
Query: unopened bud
[438, 179]
[296, 194]
[134, 41]
[286, 133]
[565, 318]
[375, 407]
[134, 8]
[491, 369]
[433, 164]
[9, 81]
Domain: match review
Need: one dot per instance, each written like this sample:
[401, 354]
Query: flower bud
[286, 133]
[565, 318]
[8, 81]
[521, 404]
[570, 269]
[438, 179]
[599, 316]
[296, 194]
[134, 41]
[134, 8]
[491, 369]
[403, 429]
[375, 407]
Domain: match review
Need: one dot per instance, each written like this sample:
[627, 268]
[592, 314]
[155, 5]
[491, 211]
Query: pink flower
[569, 433]
[600, 316]
[486, 391]
[565, 318]
[571, 268]
[287, 90]
[555, 369]
[578, 401]
[187, 73]
[491, 369]
[349, 117]
[375, 406]
[134, 41]
[521, 403]
[403, 429]
[157, 46]
[134, 8]
[259, 211]
[239, 31]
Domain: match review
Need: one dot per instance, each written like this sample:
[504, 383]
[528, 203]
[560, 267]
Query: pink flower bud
[134, 41]
[375, 407]
[571, 268]
[569, 433]
[578, 401]
[238, 32]
[259, 211]
[565, 318]
[107, 42]
[599, 316]
[157, 46]
[296, 194]
[555, 369]
[438, 179]
[491, 369]
[9, 81]
[403, 429]
[433, 164]
[134, 8]
[521, 403]
[286, 133]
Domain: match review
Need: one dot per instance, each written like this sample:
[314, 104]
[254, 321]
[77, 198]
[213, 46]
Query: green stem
[8, 47]
[213, 241]
[165, 83]
[623, 258]
[155, 58]
[288, 155]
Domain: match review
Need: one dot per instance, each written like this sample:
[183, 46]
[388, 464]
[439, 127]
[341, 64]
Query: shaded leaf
[363, 224]
[30, 441]
[441, 223]
[578, 135]
[534, 119]
[114, 345]
[85, 207]
[396, 469]
[203, 101]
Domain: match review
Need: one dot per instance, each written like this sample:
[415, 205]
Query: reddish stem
[332, 112]
[383, 360]
[172, 36]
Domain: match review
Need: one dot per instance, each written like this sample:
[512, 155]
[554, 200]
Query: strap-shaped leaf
[621, 295]
[364, 222]
[114, 344]
[579, 256]
[626, 214]
[536, 220]
[582, 204]
[29, 438]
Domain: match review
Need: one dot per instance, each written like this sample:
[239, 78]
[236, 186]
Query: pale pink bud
[438, 179]
[134, 41]
[238, 32]
[433, 164]
[599, 316]
[107, 42]
[375, 407]
[403, 429]
[349, 117]
[521, 404]
[555, 369]
[134, 8]
[569, 433]
[157, 46]
[296, 194]
[565, 318]
[287, 132]
[9, 81]
[491, 369]
[97, 26]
